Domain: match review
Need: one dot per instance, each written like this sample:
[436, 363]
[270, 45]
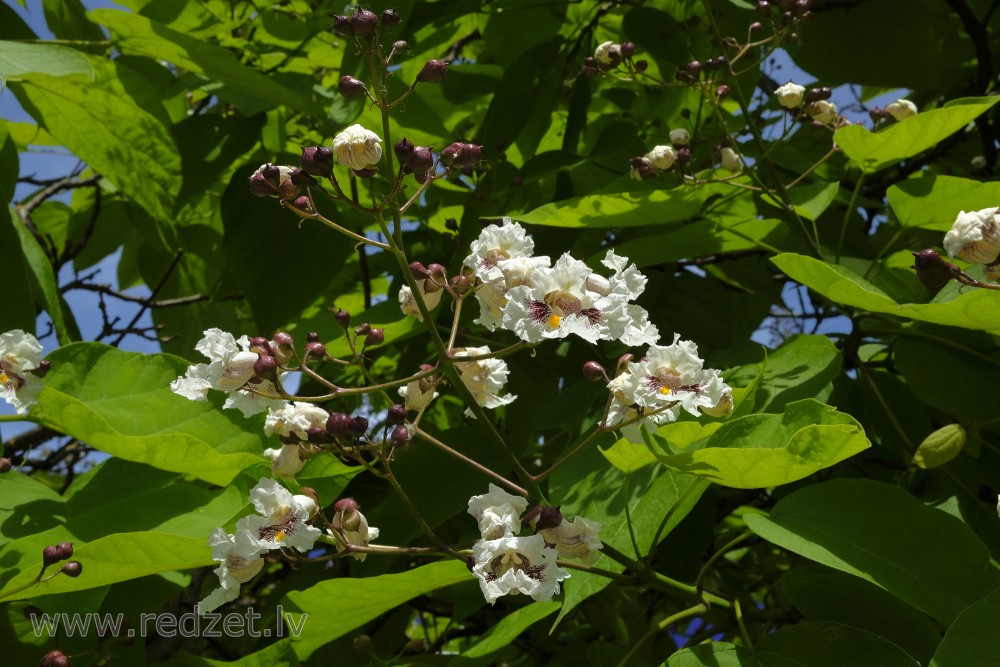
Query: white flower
[230, 367]
[484, 378]
[281, 523]
[20, 354]
[680, 137]
[285, 462]
[235, 568]
[497, 512]
[353, 525]
[511, 565]
[662, 157]
[608, 53]
[578, 538]
[901, 109]
[357, 148]
[563, 301]
[295, 419]
[822, 111]
[495, 244]
[408, 303]
[974, 236]
[790, 95]
[731, 161]
[418, 394]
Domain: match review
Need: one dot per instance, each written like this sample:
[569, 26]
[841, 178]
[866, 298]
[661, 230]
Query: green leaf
[247, 88]
[67, 19]
[19, 58]
[975, 309]
[940, 446]
[121, 403]
[623, 209]
[827, 644]
[628, 456]
[873, 151]
[801, 368]
[118, 557]
[884, 535]
[824, 594]
[506, 631]
[764, 450]
[972, 639]
[109, 132]
[713, 654]
[809, 200]
[337, 606]
[934, 201]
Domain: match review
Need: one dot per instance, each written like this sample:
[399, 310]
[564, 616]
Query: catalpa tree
[444, 333]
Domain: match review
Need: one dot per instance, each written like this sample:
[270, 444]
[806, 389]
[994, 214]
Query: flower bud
[461, 154]
[72, 569]
[303, 203]
[65, 549]
[400, 436]
[338, 424]
[755, 26]
[5, 465]
[932, 270]
[396, 414]
[641, 66]
[266, 368]
[593, 372]
[390, 18]
[350, 87]
[283, 338]
[317, 161]
[684, 155]
[401, 45]
[260, 345]
[822, 112]
[433, 71]
[793, 38]
[549, 517]
[722, 91]
[730, 160]
[608, 54]
[316, 349]
[693, 69]
[790, 95]
[54, 659]
[317, 435]
[358, 425]
[343, 317]
[346, 505]
[800, 7]
[365, 23]
[312, 337]
[680, 137]
[362, 644]
[403, 150]
[816, 94]
[362, 329]
[901, 110]
[764, 8]
[44, 366]
[342, 26]
[51, 555]
[419, 270]
[591, 72]
[264, 182]
[420, 161]
[452, 224]
[437, 271]
[357, 148]
[375, 337]
[367, 172]
[460, 284]
[627, 49]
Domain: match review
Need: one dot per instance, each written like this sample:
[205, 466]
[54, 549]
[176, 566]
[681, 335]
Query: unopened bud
[54, 659]
[593, 371]
[72, 568]
[5, 465]
[641, 65]
[401, 45]
[317, 161]
[65, 549]
[51, 555]
[367, 172]
[390, 18]
[684, 155]
[433, 71]
[437, 271]
[342, 26]
[358, 425]
[303, 203]
[312, 337]
[365, 23]
[452, 224]
[693, 69]
[876, 114]
[375, 337]
[549, 517]
[755, 26]
[932, 269]
[396, 414]
[590, 72]
[362, 644]
[722, 91]
[400, 436]
[420, 161]
[419, 270]
[362, 329]
[343, 317]
[793, 38]
[627, 49]
[800, 7]
[460, 284]
[764, 8]
[350, 87]
[403, 150]
[283, 338]
[44, 366]
[264, 182]
[338, 424]
[316, 349]
[461, 154]
[317, 435]
[817, 94]
[346, 505]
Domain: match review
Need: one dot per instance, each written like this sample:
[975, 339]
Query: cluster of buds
[287, 183]
[665, 158]
[431, 281]
[899, 110]
[61, 552]
[461, 155]
[785, 13]
[609, 56]
[416, 160]
[813, 103]
[368, 335]
[365, 24]
[692, 73]
[54, 658]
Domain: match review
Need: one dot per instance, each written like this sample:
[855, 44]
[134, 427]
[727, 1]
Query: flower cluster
[975, 237]
[21, 369]
[281, 522]
[814, 103]
[652, 391]
[506, 563]
[611, 55]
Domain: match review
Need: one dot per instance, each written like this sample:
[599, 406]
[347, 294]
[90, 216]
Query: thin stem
[847, 217]
[330, 223]
[812, 167]
[697, 609]
[699, 583]
[738, 611]
[427, 437]
[573, 452]
[628, 517]
[454, 323]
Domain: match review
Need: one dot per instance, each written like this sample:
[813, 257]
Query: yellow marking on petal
[3, 377]
[664, 390]
[554, 321]
[280, 536]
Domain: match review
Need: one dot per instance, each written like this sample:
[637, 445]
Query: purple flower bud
[461, 154]
[316, 349]
[65, 549]
[375, 337]
[460, 284]
[390, 18]
[346, 505]
[365, 173]
[365, 23]
[787, 18]
[283, 338]
[933, 270]
[722, 91]
[5, 465]
[54, 659]
[266, 368]
[400, 436]
[800, 7]
[764, 8]
[343, 318]
[817, 94]
[590, 72]
[433, 71]
[683, 77]
[396, 414]
[260, 345]
[264, 182]
[420, 161]
[627, 49]
[684, 154]
[317, 161]
[363, 329]
[350, 87]
[876, 114]
[693, 68]
[452, 224]
[549, 517]
[338, 424]
[419, 270]
[358, 425]
[793, 38]
[342, 26]
[318, 435]
[593, 372]
[403, 150]
[312, 337]
[44, 366]
[641, 65]
[72, 569]
[437, 271]
[51, 555]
